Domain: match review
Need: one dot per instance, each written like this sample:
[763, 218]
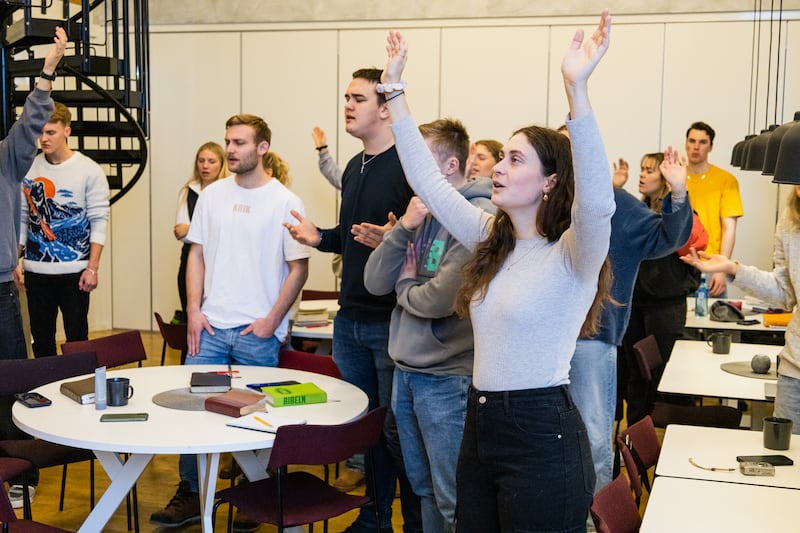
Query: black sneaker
[355, 527]
[183, 508]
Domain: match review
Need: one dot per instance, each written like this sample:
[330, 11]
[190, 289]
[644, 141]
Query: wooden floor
[156, 486]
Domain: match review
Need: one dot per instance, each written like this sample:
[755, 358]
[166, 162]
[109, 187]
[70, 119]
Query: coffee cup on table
[119, 391]
[777, 433]
[720, 342]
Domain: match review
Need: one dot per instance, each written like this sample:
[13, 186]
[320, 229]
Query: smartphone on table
[123, 417]
[32, 399]
[774, 460]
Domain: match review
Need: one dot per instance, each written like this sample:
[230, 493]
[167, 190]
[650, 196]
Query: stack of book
[312, 316]
[300, 394]
[237, 402]
[205, 382]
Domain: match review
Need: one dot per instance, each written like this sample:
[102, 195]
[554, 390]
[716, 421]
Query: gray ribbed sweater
[526, 327]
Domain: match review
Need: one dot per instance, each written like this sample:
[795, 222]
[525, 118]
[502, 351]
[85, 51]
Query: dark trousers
[182, 275]
[525, 463]
[47, 293]
[12, 346]
[666, 323]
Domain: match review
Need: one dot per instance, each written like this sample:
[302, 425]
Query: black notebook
[209, 382]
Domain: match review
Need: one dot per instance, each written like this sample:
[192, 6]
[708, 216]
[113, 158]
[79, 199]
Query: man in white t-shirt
[243, 273]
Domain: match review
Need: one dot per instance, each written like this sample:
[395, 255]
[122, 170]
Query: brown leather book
[236, 402]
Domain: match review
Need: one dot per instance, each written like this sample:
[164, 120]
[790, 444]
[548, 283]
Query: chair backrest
[300, 444]
[312, 294]
[114, 350]
[641, 441]
[630, 465]
[22, 375]
[174, 334]
[8, 516]
[648, 356]
[717, 416]
[614, 509]
[321, 364]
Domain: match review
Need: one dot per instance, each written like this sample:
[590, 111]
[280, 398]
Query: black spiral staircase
[103, 78]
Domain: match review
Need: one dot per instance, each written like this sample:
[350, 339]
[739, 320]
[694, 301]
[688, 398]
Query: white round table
[173, 431]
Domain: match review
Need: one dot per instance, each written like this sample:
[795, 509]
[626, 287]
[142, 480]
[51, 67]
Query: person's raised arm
[52, 59]
[579, 63]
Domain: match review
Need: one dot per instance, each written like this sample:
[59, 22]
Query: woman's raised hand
[673, 168]
[582, 57]
[396, 52]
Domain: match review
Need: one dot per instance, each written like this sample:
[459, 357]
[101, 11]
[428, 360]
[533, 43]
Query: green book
[300, 394]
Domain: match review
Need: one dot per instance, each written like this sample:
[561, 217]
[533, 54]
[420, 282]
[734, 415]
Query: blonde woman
[209, 166]
[276, 167]
[777, 288]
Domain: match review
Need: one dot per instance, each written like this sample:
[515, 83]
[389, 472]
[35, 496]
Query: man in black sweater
[373, 185]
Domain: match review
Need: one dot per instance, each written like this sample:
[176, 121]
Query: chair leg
[26, 499]
[63, 484]
[128, 511]
[91, 484]
[135, 509]
[163, 352]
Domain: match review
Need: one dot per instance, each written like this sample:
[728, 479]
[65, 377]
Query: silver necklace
[364, 161]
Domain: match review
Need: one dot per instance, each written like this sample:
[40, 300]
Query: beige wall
[662, 73]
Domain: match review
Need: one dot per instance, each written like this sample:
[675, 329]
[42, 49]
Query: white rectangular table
[694, 506]
[693, 369]
[718, 448]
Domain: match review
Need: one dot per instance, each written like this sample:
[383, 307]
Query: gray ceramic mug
[777, 433]
[720, 342]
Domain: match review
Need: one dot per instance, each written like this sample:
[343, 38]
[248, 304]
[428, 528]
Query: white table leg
[123, 476]
[207, 466]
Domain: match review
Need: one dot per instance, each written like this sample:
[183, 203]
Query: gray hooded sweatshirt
[425, 334]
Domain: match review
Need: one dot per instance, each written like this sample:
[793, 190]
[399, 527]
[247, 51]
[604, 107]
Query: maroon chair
[648, 359]
[640, 449]
[22, 375]
[11, 524]
[114, 350]
[174, 336]
[320, 364]
[298, 498]
[614, 510]
[11, 467]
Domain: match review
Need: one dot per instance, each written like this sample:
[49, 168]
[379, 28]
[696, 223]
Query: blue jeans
[224, 347]
[787, 401]
[525, 463]
[430, 411]
[360, 350]
[593, 386]
[12, 338]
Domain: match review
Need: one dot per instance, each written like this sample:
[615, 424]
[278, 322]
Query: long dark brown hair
[552, 219]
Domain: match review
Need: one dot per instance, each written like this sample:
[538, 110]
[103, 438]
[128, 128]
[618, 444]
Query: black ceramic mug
[777, 433]
[119, 391]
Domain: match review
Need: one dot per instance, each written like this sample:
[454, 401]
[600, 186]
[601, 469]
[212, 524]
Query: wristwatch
[45, 75]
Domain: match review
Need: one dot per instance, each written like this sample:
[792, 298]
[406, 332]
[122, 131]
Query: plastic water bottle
[701, 298]
[100, 388]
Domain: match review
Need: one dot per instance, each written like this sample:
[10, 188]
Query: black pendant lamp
[787, 167]
[740, 150]
[756, 150]
[771, 155]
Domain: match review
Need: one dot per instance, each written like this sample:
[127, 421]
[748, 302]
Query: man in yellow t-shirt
[714, 194]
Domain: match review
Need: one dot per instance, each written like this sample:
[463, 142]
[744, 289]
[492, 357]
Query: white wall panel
[707, 77]
[196, 86]
[495, 84]
[294, 91]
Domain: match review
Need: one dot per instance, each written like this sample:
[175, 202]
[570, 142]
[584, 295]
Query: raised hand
[620, 177]
[318, 134]
[582, 57]
[396, 52]
[673, 168]
[55, 53]
[305, 231]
